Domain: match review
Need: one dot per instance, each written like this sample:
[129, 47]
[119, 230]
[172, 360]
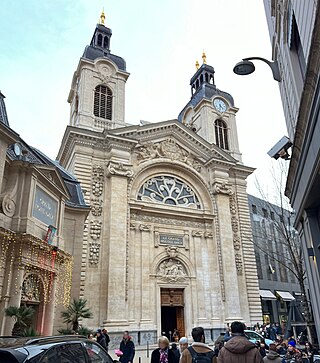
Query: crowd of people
[232, 346]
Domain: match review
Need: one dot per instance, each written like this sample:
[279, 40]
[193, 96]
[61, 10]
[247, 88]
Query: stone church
[168, 242]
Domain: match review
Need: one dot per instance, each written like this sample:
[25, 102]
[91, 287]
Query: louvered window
[103, 102]
[221, 131]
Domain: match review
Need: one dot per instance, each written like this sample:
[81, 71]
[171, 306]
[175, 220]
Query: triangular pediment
[52, 176]
[173, 140]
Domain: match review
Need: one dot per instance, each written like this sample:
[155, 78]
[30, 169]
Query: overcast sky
[41, 43]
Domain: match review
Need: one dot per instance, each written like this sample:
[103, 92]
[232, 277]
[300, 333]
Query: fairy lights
[33, 268]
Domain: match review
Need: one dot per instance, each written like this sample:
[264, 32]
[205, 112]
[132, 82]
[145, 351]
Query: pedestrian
[239, 349]
[176, 335]
[163, 354]
[293, 354]
[105, 332]
[309, 352]
[101, 339]
[183, 344]
[272, 356]
[127, 348]
[198, 352]
[273, 333]
[176, 352]
[262, 348]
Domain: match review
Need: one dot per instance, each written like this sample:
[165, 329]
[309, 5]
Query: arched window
[207, 78]
[99, 40]
[221, 131]
[165, 189]
[103, 102]
[105, 42]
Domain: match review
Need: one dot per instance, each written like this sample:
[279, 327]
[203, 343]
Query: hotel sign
[173, 240]
[45, 207]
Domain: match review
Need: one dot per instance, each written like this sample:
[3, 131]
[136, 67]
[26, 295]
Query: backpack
[201, 357]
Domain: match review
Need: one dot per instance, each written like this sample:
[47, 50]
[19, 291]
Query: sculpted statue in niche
[31, 288]
[172, 270]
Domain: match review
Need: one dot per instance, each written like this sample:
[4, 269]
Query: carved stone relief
[94, 251]
[236, 236]
[222, 188]
[95, 229]
[117, 168]
[172, 270]
[96, 207]
[168, 148]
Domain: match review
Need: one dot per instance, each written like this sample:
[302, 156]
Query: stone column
[232, 303]
[116, 237]
[146, 302]
[14, 288]
[200, 271]
[48, 310]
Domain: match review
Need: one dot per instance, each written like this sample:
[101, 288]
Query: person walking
[176, 352]
[183, 344]
[101, 339]
[106, 335]
[293, 354]
[239, 349]
[163, 354]
[199, 352]
[272, 356]
[127, 348]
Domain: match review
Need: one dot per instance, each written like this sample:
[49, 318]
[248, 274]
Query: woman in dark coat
[163, 354]
[127, 348]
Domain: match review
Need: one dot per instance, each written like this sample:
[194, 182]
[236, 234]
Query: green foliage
[66, 331]
[84, 331]
[22, 316]
[76, 310]
[30, 332]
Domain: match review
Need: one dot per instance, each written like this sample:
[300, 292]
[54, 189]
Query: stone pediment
[51, 174]
[173, 140]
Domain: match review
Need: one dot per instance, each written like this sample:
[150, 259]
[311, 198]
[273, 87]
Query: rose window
[170, 191]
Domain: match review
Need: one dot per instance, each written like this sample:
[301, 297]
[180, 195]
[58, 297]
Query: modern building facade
[294, 28]
[42, 211]
[278, 285]
[168, 241]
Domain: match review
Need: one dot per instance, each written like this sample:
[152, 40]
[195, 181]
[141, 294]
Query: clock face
[219, 105]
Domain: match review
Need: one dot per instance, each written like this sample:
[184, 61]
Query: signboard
[50, 234]
[45, 207]
[173, 240]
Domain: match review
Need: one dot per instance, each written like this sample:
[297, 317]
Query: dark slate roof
[206, 91]
[35, 156]
[93, 53]
[3, 111]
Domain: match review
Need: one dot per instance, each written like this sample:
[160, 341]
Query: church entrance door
[172, 312]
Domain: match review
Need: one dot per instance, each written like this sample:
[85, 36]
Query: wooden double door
[172, 312]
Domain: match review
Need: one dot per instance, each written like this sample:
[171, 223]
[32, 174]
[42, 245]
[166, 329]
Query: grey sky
[41, 42]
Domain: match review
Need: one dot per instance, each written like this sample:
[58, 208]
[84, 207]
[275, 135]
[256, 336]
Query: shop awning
[267, 295]
[285, 295]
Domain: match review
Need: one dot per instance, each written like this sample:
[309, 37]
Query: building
[294, 28]
[168, 241]
[278, 285]
[41, 211]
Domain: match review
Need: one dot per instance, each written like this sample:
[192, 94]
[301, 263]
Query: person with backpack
[239, 349]
[198, 352]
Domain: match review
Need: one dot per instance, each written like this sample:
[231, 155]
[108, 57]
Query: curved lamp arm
[273, 65]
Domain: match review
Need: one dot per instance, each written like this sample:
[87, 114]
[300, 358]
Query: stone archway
[33, 295]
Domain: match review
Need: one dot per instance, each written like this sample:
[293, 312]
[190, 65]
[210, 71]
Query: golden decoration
[197, 64]
[102, 18]
[204, 57]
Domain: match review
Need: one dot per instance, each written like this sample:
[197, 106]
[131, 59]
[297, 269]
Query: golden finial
[102, 17]
[197, 64]
[204, 57]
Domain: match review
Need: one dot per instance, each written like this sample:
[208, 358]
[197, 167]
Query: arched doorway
[32, 295]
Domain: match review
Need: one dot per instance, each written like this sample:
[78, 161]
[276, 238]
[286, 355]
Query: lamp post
[246, 67]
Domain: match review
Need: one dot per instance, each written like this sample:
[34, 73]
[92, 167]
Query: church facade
[168, 241]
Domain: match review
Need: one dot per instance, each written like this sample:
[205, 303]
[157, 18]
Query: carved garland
[95, 225]
[236, 235]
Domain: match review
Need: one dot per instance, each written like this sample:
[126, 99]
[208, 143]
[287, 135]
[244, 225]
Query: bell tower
[97, 94]
[211, 112]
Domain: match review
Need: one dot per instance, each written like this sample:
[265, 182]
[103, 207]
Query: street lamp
[246, 67]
